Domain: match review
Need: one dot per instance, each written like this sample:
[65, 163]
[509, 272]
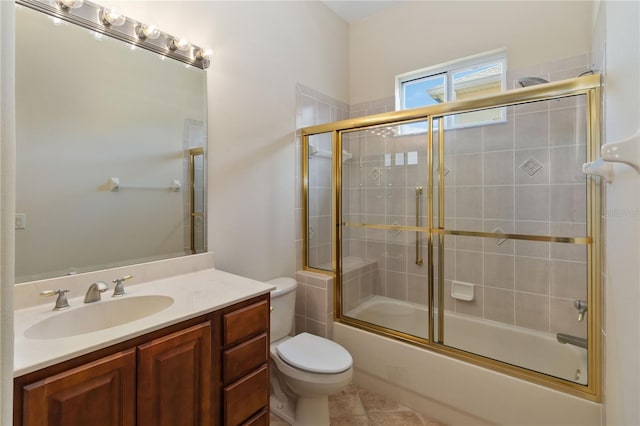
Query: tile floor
[357, 406]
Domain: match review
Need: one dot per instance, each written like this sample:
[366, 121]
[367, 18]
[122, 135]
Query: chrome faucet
[61, 300]
[94, 291]
[581, 306]
[118, 290]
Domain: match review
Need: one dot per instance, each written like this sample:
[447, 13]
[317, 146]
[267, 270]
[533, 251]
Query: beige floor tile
[348, 404]
[395, 418]
[375, 402]
[355, 406]
[350, 421]
[428, 422]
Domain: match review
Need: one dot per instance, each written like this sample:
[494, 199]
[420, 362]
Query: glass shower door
[384, 238]
[516, 240]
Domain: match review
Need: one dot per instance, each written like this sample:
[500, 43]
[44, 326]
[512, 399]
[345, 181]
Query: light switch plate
[21, 220]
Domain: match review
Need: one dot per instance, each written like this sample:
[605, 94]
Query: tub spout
[572, 340]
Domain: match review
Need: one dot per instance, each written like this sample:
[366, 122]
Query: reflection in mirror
[91, 108]
[197, 200]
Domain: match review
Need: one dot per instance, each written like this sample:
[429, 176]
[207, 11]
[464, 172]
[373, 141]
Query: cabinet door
[100, 393]
[174, 379]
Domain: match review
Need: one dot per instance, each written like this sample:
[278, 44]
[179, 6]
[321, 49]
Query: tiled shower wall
[314, 295]
[520, 176]
[315, 108]
[516, 176]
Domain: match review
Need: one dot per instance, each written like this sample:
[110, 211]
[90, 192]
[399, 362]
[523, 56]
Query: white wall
[621, 327]
[261, 50]
[417, 34]
[7, 207]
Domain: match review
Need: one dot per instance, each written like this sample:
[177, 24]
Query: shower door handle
[419, 260]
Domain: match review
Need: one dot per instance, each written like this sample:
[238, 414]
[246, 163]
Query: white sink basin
[98, 316]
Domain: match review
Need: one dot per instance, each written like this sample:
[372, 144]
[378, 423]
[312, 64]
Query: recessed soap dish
[462, 291]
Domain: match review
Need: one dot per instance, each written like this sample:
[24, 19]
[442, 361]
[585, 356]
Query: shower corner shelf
[626, 151]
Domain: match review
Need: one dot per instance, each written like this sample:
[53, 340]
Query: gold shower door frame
[590, 87]
[193, 214]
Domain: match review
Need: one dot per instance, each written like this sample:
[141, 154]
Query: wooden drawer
[260, 419]
[245, 322]
[244, 358]
[246, 397]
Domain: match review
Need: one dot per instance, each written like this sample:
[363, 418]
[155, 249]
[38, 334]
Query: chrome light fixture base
[110, 22]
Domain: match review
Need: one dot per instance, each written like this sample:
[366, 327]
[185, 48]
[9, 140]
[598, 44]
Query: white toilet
[305, 369]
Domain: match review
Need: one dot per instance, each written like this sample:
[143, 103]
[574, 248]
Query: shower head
[531, 81]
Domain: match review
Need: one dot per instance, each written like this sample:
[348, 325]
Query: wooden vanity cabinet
[206, 371]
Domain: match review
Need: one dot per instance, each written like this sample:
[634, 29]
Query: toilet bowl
[306, 369]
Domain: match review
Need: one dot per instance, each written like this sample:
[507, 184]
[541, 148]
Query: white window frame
[448, 69]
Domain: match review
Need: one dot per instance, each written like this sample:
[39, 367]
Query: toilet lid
[315, 354]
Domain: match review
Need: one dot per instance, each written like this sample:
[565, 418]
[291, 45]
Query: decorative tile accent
[396, 231]
[445, 171]
[531, 166]
[500, 241]
[376, 176]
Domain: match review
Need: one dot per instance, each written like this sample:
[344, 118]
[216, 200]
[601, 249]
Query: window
[467, 78]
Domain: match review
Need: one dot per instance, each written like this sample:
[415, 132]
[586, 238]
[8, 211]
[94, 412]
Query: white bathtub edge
[437, 383]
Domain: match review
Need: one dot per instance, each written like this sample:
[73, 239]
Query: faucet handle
[581, 306]
[61, 301]
[118, 290]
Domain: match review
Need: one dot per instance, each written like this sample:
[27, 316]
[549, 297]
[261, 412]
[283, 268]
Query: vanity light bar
[110, 22]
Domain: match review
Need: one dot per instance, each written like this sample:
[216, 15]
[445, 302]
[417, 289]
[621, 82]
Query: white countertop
[194, 294]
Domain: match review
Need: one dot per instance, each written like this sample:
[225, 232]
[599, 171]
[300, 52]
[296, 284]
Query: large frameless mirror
[105, 138]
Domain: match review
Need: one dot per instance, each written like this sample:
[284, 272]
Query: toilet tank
[283, 301]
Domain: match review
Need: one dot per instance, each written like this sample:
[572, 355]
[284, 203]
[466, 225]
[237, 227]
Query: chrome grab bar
[419, 260]
[572, 340]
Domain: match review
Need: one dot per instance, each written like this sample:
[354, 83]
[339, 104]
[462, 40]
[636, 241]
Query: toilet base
[283, 409]
[312, 411]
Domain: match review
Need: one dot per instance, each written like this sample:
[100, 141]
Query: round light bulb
[179, 44]
[112, 17]
[147, 32]
[69, 4]
[203, 54]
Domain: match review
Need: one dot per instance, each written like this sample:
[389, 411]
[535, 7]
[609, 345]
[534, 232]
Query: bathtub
[519, 346]
[457, 392]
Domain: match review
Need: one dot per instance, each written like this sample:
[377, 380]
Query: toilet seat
[314, 354]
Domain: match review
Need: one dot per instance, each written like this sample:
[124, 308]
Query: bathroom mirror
[106, 133]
